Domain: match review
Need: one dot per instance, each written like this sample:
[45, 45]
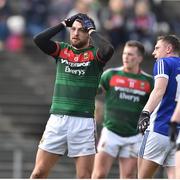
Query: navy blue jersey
[168, 68]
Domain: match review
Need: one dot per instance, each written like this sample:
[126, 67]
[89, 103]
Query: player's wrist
[146, 112]
[173, 123]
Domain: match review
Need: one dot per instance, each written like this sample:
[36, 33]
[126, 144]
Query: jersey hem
[77, 114]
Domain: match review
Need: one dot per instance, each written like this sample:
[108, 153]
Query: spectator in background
[5, 12]
[126, 90]
[15, 40]
[58, 9]
[142, 26]
[85, 7]
[175, 22]
[113, 21]
[35, 13]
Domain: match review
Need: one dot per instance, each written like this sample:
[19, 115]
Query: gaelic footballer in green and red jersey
[126, 95]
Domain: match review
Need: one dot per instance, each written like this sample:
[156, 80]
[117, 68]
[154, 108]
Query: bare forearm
[157, 94]
[153, 101]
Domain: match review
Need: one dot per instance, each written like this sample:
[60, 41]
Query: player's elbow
[106, 53]
[109, 51]
[37, 39]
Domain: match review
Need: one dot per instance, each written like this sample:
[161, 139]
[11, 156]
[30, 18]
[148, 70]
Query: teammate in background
[126, 89]
[71, 124]
[174, 133]
[156, 148]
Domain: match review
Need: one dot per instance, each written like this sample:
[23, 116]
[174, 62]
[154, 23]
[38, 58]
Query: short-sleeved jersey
[77, 78]
[126, 94]
[168, 68]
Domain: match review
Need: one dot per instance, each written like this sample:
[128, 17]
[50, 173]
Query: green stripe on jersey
[126, 95]
[77, 78]
[89, 82]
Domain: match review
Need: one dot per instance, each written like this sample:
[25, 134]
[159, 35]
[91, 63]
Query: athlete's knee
[84, 174]
[98, 174]
[129, 175]
[144, 175]
[38, 174]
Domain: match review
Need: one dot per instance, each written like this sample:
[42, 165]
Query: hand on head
[87, 22]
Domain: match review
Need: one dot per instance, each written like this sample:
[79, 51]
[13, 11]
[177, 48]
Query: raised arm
[105, 49]
[43, 39]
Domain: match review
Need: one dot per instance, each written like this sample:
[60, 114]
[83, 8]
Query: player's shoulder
[170, 59]
[111, 71]
[115, 69]
[64, 45]
[146, 74]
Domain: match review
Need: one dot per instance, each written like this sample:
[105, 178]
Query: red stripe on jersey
[98, 57]
[131, 83]
[57, 50]
[73, 57]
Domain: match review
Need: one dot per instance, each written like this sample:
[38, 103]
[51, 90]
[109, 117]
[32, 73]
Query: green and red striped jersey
[126, 94]
[77, 79]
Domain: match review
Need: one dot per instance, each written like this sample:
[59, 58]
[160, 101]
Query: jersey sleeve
[59, 46]
[161, 69]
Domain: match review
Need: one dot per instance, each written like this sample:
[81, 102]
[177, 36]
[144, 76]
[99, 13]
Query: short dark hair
[171, 39]
[139, 45]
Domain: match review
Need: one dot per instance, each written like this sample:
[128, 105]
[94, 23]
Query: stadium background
[27, 75]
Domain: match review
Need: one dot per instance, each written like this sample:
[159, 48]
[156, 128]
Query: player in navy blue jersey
[156, 148]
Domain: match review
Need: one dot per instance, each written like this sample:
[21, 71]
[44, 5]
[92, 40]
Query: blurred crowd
[119, 20]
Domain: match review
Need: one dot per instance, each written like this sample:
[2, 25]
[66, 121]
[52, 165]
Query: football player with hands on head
[175, 135]
[156, 149]
[71, 126]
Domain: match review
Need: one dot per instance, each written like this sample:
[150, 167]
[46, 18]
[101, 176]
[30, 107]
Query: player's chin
[126, 66]
[77, 45]
[74, 42]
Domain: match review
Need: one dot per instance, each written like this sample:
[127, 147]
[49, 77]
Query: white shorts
[158, 148]
[75, 134]
[118, 146]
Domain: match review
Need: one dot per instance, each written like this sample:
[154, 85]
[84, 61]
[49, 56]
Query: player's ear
[140, 59]
[169, 48]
